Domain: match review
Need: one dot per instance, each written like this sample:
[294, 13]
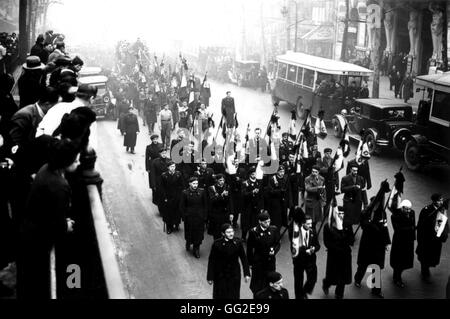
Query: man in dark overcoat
[223, 265]
[352, 186]
[286, 148]
[339, 241]
[152, 152]
[252, 194]
[220, 206]
[327, 172]
[193, 208]
[429, 245]
[278, 198]
[150, 113]
[157, 167]
[295, 179]
[171, 188]
[375, 241]
[364, 171]
[131, 128]
[262, 246]
[402, 252]
[205, 175]
[228, 110]
[235, 180]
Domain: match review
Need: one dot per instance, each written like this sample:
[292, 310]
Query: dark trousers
[165, 133]
[311, 279]
[359, 275]
[339, 292]
[397, 275]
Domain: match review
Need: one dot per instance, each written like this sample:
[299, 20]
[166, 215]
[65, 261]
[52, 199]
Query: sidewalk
[385, 93]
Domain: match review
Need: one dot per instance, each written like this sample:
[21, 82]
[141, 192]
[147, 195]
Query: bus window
[356, 79]
[308, 78]
[300, 75]
[282, 68]
[292, 73]
[441, 108]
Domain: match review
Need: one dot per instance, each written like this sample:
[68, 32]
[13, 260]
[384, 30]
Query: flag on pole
[395, 197]
[292, 125]
[319, 128]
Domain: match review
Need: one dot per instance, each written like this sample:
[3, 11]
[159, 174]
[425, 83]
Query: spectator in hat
[60, 50]
[38, 47]
[30, 82]
[223, 265]
[151, 153]
[61, 63]
[193, 208]
[429, 235]
[131, 128]
[275, 289]
[262, 245]
[46, 221]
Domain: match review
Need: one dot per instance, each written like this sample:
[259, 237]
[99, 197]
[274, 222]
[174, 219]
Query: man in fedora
[30, 82]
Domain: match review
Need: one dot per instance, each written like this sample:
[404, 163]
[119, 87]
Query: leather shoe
[196, 253]
[188, 246]
[169, 231]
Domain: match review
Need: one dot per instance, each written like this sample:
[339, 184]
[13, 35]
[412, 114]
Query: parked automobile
[103, 104]
[430, 144]
[383, 123]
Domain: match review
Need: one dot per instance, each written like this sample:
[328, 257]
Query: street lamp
[285, 14]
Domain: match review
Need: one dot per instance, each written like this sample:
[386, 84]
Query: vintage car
[383, 123]
[245, 73]
[103, 104]
[430, 144]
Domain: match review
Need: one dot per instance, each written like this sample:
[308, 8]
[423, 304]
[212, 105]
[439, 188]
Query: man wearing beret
[262, 246]
[252, 194]
[275, 289]
[193, 208]
[152, 152]
[429, 236]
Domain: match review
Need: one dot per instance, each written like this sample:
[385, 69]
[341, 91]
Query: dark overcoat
[339, 255]
[151, 153]
[253, 203]
[402, 251]
[353, 199]
[220, 209]
[171, 188]
[193, 208]
[278, 200]
[130, 127]
[429, 246]
[228, 110]
[224, 269]
[374, 239]
[157, 168]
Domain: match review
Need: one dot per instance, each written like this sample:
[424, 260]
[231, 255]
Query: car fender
[372, 131]
[419, 139]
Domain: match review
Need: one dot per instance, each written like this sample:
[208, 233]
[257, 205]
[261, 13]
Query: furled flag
[292, 125]
[319, 128]
[395, 197]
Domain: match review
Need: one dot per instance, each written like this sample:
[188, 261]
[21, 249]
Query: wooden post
[345, 36]
[444, 66]
[23, 36]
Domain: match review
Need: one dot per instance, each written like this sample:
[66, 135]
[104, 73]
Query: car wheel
[412, 156]
[374, 149]
[400, 139]
[337, 129]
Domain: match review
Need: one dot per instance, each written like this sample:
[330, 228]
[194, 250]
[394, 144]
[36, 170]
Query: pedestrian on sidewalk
[398, 84]
[407, 87]
[392, 77]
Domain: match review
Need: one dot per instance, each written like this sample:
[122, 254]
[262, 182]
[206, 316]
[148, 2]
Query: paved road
[155, 265]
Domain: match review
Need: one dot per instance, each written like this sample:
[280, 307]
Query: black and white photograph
[215, 153]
